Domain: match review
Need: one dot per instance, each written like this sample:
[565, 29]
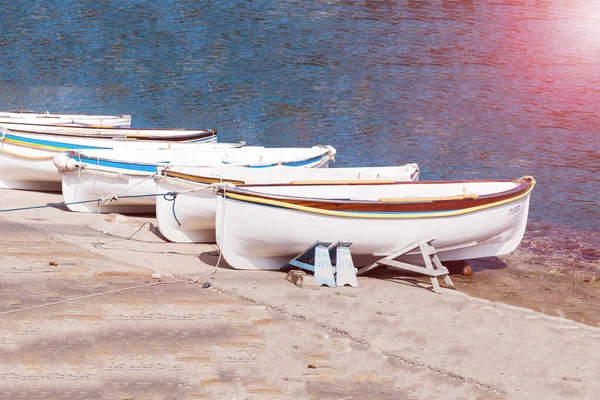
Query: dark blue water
[468, 89]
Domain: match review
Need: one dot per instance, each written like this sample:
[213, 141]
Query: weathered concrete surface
[252, 334]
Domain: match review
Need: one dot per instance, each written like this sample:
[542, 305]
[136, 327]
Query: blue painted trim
[117, 164]
[151, 167]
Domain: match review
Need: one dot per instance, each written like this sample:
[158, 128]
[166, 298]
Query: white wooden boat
[26, 158]
[470, 219]
[48, 118]
[125, 133]
[187, 213]
[94, 174]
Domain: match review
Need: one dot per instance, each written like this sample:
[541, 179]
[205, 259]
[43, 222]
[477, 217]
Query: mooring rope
[80, 167]
[172, 196]
[100, 199]
[91, 295]
[212, 272]
[224, 185]
[220, 241]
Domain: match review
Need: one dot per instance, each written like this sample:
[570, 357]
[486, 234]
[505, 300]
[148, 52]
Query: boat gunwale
[526, 184]
[191, 135]
[82, 157]
[61, 115]
[209, 179]
[166, 173]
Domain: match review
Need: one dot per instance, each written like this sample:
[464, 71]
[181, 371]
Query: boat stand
[318, 259]
[432, 268]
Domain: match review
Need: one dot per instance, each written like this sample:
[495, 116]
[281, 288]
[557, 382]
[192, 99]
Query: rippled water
[468, 89]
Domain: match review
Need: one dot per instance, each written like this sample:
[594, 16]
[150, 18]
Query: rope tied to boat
[330, 150]
[109, 198]
[172, 196]
[80, 166]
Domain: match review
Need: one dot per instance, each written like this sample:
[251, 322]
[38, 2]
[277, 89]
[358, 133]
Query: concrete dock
[100, 307]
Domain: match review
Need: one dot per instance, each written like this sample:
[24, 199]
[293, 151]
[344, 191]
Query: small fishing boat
[26, 157]
[263, 228]
[92, 132]
[187, 213]
[47, 118]
[129, 179]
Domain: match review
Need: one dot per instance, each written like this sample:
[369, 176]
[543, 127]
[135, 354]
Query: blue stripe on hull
[150, 167]
[116, 164]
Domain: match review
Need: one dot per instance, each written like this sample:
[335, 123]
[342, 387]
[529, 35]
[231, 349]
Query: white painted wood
[109, 132]
[30, 166]
[254, 156]
[257, 236]
[84, 179]
[195, 204]
[65, 119]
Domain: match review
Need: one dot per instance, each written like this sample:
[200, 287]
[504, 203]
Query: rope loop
[109, 198]
[170, 196]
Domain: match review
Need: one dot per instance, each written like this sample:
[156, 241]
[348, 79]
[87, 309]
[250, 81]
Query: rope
[172, 196]
[80, 167]
[98, 223]
[92, 295]
[220, 241]
[110, 198]
[154, 175]
[214, 270]
[114, 291]
[102, 199]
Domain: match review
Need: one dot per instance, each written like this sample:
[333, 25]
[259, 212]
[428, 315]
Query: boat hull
[90, 132]
[81, 189]
[117, 121]
[26, 161]
[83, 180]
[28, 168]
[260, 236]
[189, 216]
